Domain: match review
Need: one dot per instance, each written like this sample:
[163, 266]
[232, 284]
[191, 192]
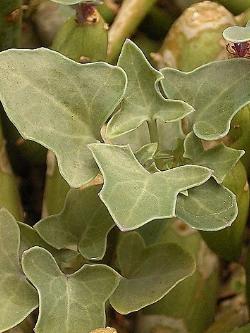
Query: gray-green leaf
[149, 272]
[220, 158]
[134, 196]
[143, 102]
[237, 34]
[217, 91]
[68, 303]
[30, 238]
[66, 259]
[17, 297]
[207, 207]
[83, 224]
[60, 104]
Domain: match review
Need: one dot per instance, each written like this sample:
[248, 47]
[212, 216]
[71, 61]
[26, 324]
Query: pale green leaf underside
[149, 273]
[217, 91]
[60, 104]
[17, 297]
[142, 101]
[132, 195]
[237, 34]
[220, 159]
[83, 224]
[207, 207]
[68, 303]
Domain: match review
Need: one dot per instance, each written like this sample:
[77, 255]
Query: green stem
[153, 131]
[126, 22]
[10, 23]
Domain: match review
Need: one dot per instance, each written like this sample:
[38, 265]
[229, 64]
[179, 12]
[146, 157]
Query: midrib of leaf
[61, 105]
[95, 95]
[143, 190]
[205, 209]
[147, 105]
[137, 79]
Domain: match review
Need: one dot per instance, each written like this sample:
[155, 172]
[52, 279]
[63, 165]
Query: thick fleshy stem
[126, 22]
[10, 23]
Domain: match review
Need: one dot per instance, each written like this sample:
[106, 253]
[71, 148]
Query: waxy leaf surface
[60, 104]
[220, 159]
[82, 225]
[149, 272]
[143, 102]
[134, 196]
[207, 207]
[68, 303]
[30, 238]
[237, 34]
[217, 91]
[17, 297]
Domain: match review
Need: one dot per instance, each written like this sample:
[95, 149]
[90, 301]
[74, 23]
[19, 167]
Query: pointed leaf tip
[142, 101]
[68, 103]
[83, 224]
[157, 269]
[217, 91]
[68, 303]
[132, 195]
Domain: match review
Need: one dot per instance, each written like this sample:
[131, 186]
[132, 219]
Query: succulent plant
[196, 37]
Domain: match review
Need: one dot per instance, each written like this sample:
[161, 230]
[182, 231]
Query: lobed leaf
[220, 159]
[60, 104]
[134, 196]
[68, 303]
[66, 259]
[209, 207]
[217, 91]
[142, 101]
[83, 224]
[149, 272]
[30, 238]
[17, 297]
